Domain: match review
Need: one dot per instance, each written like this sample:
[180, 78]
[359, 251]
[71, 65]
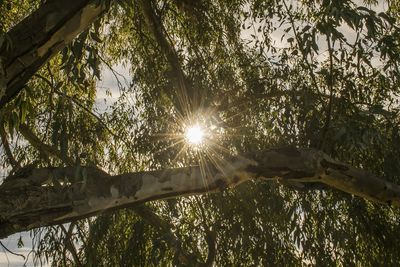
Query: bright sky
[8, 259]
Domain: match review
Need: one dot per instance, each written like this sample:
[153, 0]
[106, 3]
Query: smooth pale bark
[39, 37]
[46, 196]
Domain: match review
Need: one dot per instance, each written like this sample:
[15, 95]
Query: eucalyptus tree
[288, 109]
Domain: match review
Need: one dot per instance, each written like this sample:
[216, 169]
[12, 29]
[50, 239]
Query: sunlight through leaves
[194, 134]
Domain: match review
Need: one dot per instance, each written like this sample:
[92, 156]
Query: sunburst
[197, 139]
[194, 135]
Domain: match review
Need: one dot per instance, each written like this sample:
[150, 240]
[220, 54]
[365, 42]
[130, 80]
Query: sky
[10, 260]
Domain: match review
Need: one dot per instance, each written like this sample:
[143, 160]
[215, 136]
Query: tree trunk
[39, 37]
[46, 196]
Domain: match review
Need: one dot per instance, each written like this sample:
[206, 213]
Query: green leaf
[95, 37]
[20, 243]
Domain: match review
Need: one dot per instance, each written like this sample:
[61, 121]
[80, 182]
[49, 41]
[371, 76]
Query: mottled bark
[39, 37]
[47, 196]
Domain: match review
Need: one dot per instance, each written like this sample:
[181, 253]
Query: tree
[280, 88]
[28, 49]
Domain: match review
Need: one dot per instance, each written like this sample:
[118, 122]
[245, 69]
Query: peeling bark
[39, 37]
[46, 196]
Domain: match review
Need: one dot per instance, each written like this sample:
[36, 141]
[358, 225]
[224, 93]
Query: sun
[194, 134]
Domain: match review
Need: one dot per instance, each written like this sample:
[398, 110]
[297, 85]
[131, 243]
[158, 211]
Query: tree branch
[37, 200]
[42, 35]
[146, 213]
[158, 31]
[11, 252]
[303, 53]
[211, 239]
[47, 150]
[69, 245]
[331, 82]
[14, 163]
[165, 229]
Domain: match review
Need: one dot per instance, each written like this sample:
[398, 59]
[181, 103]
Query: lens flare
[194, 135]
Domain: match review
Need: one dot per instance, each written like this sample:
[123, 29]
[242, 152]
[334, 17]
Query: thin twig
[76, 102]
[42, 147]
[9, 251]
[312, 75]
[69, 245]
[330, 103]
[7, 149]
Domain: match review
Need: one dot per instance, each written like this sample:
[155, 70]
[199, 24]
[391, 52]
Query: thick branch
[146, 213]
[40, 36]
[49, 196]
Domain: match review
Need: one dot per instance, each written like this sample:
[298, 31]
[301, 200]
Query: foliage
[321, 74]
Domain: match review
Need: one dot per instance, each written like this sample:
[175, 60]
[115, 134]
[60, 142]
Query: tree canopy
[299, 106]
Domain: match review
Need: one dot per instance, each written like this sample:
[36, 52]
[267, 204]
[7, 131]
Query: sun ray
[196, 139]
[216, 161]
[216, 145]
[203, 171]
[170, 146]
[180, 152]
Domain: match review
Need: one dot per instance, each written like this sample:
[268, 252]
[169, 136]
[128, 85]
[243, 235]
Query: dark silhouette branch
[47, 150]
[153, 219]
[69, 245]
[7, 149]
[178, 77]
[11, 252]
